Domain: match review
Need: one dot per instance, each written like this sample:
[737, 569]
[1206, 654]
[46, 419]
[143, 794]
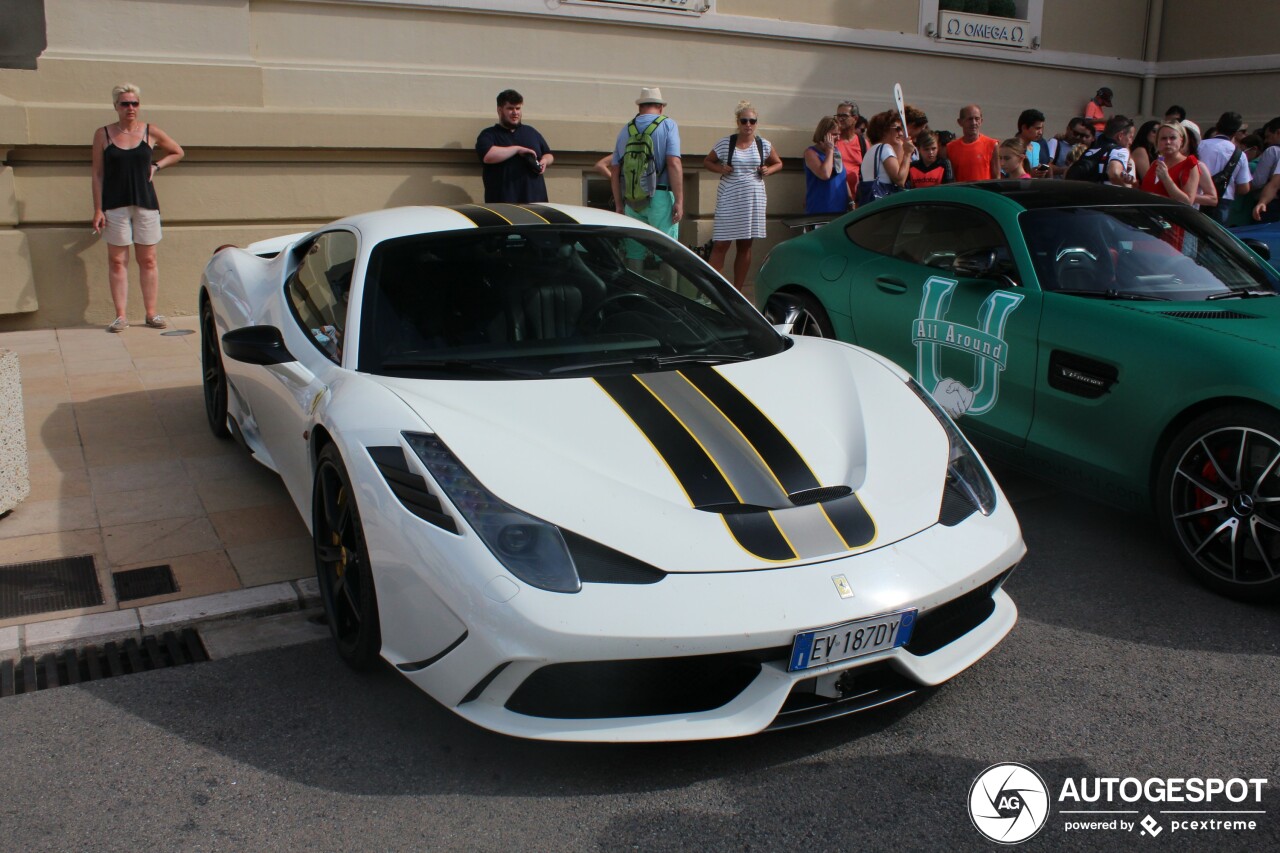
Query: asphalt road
[1120, 666]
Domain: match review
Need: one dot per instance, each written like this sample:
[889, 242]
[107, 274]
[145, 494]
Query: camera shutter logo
[1008, 803]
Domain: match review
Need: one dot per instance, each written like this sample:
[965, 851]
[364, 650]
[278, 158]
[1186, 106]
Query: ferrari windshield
[548, 301]
[1167, 252]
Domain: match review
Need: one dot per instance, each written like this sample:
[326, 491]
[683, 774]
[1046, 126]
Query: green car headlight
[965, 472]
[529, 547]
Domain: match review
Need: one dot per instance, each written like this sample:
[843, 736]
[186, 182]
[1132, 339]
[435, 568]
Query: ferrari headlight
[530, 548]
[965, 471]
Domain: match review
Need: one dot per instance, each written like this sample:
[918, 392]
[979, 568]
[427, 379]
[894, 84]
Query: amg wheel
[215, 378]
[804, 312]
[342, 564]
[1219, 497]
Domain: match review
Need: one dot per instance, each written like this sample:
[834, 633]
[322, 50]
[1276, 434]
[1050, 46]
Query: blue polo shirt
[513, 180]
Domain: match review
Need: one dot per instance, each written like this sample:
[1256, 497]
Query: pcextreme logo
[931, 331]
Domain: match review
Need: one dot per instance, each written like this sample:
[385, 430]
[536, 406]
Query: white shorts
[132, 224]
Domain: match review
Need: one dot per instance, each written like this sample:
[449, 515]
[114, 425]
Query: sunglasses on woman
[127, 104]
[747, 121]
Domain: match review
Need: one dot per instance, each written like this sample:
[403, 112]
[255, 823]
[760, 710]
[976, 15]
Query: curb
[57, 634]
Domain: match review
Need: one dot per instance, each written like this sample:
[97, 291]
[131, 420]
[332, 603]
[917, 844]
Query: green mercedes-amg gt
[1108, 340]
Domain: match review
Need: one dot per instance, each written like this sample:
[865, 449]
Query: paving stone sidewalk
[124, 468]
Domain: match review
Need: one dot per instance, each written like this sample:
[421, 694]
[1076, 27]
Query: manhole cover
[176, 332]
[46, 586]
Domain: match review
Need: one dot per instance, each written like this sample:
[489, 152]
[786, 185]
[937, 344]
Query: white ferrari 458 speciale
[568, 481]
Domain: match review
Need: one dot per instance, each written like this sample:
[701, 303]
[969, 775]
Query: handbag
[869, 191]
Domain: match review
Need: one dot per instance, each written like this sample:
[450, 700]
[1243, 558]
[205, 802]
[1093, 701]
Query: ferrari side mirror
[262, 345]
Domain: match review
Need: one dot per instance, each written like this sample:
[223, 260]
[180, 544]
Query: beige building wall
[853, 14]
[1194, 29]
[294, 113]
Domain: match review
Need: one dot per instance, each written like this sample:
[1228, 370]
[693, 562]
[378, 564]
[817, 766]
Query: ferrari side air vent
[411, 488]
[598, 563]
[819, 495]
[1210, 315]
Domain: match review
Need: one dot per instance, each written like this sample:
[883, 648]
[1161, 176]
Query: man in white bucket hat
[657, 198]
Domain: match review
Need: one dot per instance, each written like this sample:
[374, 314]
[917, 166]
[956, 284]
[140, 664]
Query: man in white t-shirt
[1216, 153]
[1121, 171]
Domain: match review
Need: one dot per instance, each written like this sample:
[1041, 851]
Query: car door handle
[891, 285]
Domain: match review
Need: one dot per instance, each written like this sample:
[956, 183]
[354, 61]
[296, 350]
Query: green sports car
[1108, 340]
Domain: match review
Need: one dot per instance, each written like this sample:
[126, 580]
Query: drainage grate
[144, 583]
[91, 663]
[47, 586]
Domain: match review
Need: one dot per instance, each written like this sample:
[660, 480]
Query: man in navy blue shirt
[514, 155]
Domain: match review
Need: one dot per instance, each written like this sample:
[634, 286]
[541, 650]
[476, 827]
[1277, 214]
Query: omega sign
[983, 29]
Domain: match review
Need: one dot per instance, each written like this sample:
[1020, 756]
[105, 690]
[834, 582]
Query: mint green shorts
[658, 214]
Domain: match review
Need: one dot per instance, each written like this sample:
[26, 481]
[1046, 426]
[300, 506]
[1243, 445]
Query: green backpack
[639, 169]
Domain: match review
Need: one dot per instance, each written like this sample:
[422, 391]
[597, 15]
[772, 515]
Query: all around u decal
[931, 331]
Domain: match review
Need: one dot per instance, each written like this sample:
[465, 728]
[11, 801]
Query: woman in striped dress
[743, 161]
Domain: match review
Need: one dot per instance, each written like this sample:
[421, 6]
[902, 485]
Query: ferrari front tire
[214, 377]
[342, 564]
[1218, 497]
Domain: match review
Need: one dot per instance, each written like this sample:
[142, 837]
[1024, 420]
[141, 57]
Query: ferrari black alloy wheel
[215, 378]
[342, 564]
[1219, 497]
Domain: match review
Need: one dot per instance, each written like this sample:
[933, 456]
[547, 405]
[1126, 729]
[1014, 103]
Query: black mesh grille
[638, 688]
[819, 495]
[597, 563]
[956, 506]
[1210, 315]
[411, 488]
[951, 621]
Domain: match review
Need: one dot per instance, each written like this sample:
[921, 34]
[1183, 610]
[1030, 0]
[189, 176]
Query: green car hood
[1256, 321]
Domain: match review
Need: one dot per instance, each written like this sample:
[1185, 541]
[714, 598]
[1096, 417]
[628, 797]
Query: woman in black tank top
[127, 156]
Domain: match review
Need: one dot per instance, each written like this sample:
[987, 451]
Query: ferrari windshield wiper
[1115, 294]
[653, 362]
[1239, 294]
[457, 365]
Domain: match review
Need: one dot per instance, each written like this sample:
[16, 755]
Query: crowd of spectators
[1229, 173]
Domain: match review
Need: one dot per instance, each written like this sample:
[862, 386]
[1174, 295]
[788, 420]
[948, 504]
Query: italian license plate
[851, 640]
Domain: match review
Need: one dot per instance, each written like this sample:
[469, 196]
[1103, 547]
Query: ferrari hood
[807, 455]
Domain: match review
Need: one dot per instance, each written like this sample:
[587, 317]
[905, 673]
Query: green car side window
[877, 233]
[934, 235]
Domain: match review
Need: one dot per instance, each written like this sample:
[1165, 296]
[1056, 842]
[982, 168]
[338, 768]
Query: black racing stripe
[851, 519]
[693, 468]
[517, 215]
[555, 217]
[777, 452]
[759, 534]
[482, 217]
